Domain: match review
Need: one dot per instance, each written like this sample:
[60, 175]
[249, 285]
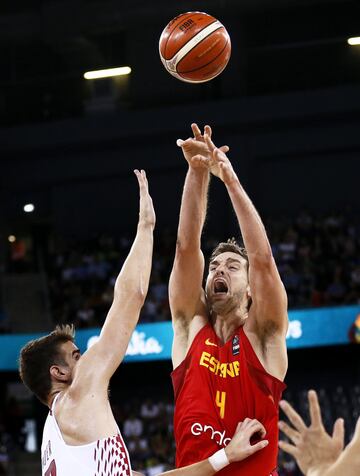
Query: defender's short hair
[38, 355]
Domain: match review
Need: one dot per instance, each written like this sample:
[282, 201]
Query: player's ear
[59, 373]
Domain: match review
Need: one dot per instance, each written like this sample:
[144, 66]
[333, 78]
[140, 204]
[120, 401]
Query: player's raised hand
[239, 447]
[146, 210]
[196, 145]
[312, 448]
[216, 161]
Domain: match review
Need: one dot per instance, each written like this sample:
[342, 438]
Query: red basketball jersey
[217, 386]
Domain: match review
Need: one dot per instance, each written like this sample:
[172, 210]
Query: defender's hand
[239, 447]
[216, 161]
[197, 146]
[313, 449]
[146, 211]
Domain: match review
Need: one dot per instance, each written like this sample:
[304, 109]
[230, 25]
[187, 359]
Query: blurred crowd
[318, 259]
[147, 427]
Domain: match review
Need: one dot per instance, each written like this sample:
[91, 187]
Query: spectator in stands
[133, 426]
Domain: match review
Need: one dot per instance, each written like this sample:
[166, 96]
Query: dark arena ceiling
[278, 46]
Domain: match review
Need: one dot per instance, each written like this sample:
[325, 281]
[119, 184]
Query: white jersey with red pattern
[105, 457]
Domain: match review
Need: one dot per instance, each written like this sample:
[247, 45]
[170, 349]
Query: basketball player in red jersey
[229, 351]
[80, 435]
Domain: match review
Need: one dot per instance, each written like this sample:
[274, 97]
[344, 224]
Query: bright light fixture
[354, 41]
[28, 208]
[108, 73]
[11, 238]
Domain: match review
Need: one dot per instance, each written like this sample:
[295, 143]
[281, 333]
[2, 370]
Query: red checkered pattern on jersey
[111, 457]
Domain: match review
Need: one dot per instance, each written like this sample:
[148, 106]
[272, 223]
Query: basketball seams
[183, 17]
[204, 65]
[171, 64]
[189, 52]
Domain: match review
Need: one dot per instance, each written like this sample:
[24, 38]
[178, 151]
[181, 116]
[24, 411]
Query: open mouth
[220, 286]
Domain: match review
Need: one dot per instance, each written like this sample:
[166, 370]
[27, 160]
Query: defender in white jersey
[81, 437]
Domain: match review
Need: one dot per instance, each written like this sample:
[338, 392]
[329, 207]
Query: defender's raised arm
[130, 291]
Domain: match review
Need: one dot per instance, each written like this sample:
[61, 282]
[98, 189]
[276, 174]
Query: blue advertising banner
[307, 328]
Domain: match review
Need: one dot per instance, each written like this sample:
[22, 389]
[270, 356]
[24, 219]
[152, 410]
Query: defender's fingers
[143, 173]
[314, 408]
[289, 432]
[292, 450]
[258, 446]
[339, 432]
[292, 415]
[224, 148]
[357, 431]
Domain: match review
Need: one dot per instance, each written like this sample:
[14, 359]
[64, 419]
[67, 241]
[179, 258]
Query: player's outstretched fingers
[145, 180]
[339, 433]
[292, 415]
[292, 434]
[288, 448]
[208, 131]
[224, 148]
[196, 131]
[209, 142]
[140, 178]
[183, 143]
[314, 409]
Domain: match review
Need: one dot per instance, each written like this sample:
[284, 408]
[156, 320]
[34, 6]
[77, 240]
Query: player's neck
[225, 326]
[56, 389]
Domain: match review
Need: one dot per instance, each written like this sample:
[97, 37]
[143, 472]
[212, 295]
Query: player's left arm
[238, 449]
[269, 300]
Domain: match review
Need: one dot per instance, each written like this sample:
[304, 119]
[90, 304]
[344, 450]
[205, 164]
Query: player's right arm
[99, 362]
[238, 449]
[185, 286]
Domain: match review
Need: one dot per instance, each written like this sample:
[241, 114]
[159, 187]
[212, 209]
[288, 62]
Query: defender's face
[227, 282]
[71, 355]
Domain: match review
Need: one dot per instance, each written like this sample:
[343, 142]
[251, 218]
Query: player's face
[71, 355]
[227, 283]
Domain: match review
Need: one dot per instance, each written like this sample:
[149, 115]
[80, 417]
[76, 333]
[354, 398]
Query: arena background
[288, 105]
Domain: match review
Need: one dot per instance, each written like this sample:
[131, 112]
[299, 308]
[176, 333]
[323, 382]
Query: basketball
[195, 47]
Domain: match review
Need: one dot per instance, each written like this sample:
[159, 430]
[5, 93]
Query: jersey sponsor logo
[197, 429]
[208, 342]
[224, 370]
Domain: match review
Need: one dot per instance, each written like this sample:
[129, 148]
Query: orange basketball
[195, 47]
